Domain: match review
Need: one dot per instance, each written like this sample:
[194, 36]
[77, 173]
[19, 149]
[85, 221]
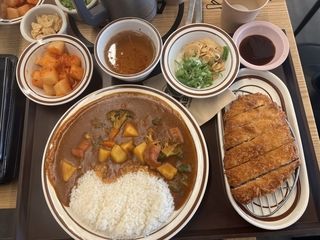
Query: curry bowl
[199, 60]
[128, 49]
[55, 70]
[125, 162]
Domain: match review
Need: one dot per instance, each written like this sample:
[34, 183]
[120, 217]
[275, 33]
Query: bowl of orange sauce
[128, 49]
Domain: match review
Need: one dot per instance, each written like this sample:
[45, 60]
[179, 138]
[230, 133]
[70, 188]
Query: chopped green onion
[193, 73]
[184, 168]
[225, 53]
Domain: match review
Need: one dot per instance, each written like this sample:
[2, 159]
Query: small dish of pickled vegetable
[200, 60]
[55, 70]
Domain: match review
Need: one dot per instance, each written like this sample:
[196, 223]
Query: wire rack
[268, 205]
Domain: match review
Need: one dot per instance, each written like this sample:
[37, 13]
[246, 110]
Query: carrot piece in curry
[82, 147]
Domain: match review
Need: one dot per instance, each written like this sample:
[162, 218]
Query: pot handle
[161, 5]
[95, 16]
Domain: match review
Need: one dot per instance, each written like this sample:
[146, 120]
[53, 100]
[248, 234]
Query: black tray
[11, 119]
[215, 217]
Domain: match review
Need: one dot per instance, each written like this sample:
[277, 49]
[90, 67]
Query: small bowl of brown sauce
[262, 45]
[128, 49]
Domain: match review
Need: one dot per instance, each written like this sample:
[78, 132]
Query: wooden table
[11, 42]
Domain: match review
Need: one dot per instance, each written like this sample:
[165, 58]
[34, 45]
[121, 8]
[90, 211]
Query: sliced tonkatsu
[245, 103]
[269, 140]
[262, 165]
[263, 185]
[270, 111]
[238, 135]
[260, 151]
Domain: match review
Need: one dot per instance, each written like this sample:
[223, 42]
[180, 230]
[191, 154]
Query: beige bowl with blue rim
[193, 32]
[26, 65]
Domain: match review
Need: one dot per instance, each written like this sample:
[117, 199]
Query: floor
[308, 41]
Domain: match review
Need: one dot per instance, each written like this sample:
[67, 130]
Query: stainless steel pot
[108, 10]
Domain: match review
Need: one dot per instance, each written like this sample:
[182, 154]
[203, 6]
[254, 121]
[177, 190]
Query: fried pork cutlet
[245, 103]
[270, 111]
[260, 153]
[238, 135]
[262, 165]
[263, 185]
[269, 140]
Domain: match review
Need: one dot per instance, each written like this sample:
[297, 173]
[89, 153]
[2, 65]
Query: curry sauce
[123, 133]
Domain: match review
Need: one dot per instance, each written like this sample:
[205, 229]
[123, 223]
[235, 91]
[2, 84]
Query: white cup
[237, 12]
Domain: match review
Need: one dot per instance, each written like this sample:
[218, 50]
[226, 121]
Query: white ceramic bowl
[73, 12]
[118, 26]
[31, 16]
[172, 49]
[6, 21]
[26, 65]
[67, 219]
[270, 31]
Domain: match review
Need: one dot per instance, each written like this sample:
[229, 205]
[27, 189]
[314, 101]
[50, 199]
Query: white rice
[135, 205]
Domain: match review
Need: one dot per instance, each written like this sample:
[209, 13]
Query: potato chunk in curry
[168, 171]
[118, 155]
[139, 150]
[67, 170]
[103, 154]
[130, 130]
